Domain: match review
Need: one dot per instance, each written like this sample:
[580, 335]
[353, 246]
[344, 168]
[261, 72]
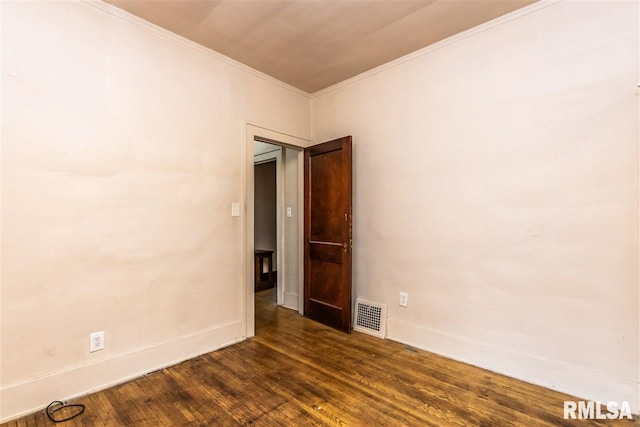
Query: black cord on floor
[56, 406]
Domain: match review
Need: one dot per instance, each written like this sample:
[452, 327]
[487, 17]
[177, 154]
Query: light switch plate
[288, 212]
[404, 299]
[235, 209]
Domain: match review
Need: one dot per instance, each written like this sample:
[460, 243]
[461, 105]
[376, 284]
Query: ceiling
[313, 44]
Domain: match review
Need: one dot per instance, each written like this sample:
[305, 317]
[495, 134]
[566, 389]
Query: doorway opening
[314, 244]
[274, 219]
[267, 230]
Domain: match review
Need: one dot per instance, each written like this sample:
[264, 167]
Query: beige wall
[123, 149]
[496, 181]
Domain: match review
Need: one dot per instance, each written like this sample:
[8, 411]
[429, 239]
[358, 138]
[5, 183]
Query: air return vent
[370, 318]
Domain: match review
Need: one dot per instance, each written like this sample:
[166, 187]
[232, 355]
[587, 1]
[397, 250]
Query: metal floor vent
[370, 318]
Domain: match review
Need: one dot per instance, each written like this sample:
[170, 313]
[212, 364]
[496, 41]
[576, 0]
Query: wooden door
[327, 233]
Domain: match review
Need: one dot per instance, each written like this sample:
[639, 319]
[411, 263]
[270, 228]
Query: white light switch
[288, 212]
[404, 299]
[235, 209]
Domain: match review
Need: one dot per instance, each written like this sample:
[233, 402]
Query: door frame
[255, 132]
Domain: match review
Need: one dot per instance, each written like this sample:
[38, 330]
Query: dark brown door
[327, 233]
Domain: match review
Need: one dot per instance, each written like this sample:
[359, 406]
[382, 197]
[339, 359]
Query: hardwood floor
[296, 372]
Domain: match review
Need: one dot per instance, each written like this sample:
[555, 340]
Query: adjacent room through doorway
[265, 235]
[276, 224]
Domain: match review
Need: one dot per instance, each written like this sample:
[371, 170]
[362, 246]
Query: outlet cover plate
[96, 341]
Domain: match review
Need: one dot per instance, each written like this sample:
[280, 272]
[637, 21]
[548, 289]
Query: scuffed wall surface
[122, 152]
[496, 181]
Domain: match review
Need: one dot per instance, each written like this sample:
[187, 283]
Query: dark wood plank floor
[296, 372]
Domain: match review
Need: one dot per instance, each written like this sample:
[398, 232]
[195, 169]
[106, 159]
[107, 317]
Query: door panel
[327, 233]
[327, 202]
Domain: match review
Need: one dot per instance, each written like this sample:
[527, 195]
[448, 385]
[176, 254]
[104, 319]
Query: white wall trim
[26, 397]
[504, 19]
[291, 301]
[168, 35]
[580, 381]
[301, 216]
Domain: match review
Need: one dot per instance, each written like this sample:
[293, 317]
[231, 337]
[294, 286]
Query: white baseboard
[26, 397]
[579, 381]
[291, 300]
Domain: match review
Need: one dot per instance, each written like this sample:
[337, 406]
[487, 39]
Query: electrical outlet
[404, 299]
[96, 341]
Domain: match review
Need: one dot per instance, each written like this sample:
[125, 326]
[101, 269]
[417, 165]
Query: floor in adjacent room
[298, 372]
